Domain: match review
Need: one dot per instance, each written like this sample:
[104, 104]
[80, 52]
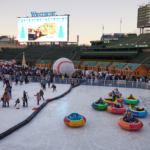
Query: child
[54, 87]
[17, 102]
[16, 81]
[41, 94]
[4, 102]
[38, 98]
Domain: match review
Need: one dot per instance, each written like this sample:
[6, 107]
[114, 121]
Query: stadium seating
[141, 57]
[44, 52]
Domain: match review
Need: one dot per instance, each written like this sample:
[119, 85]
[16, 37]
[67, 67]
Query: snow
[48, 131]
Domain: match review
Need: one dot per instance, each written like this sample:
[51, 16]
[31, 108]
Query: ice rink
[47, 130]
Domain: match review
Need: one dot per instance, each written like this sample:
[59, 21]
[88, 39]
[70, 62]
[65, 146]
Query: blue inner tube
[75, 117]
[138, 113]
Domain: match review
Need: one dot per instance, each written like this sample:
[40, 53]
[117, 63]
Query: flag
[103, 27]
[120, 20]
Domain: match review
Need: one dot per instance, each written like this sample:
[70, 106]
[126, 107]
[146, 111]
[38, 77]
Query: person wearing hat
[129, 117]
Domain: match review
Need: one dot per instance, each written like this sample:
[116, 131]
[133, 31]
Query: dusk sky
[86, 17]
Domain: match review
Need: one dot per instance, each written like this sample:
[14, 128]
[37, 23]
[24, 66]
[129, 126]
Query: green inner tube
[101, 106]
[132, 102]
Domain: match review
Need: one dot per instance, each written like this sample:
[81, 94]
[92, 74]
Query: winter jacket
[7, 89]
[38, 97]
[44, 82]
[41, 93]
[53, 86]
[6, 96]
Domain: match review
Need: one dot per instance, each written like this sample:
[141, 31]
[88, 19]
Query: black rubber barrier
[21, 124]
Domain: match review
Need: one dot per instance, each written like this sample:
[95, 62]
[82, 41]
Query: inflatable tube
[110, 102]
[14, 128]
[116, 110]
[119, 94]
[137, 113]
[100, 106]
[132, 126]
[131, 101]
[21, 124]
[119, 99]
[76, 121]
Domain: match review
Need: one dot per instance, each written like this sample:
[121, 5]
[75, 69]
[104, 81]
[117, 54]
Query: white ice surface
[47, 130]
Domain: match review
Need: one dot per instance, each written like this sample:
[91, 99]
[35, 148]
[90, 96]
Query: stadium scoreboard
[143, 17]
[43, 29]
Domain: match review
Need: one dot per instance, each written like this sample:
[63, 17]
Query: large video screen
[43, 29]
[143, 16]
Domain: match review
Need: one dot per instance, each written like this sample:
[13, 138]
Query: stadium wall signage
[110, 39]
[43, 14]
[141, 45]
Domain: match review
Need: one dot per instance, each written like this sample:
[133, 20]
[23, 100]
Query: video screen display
[43, 29]
[143, 16]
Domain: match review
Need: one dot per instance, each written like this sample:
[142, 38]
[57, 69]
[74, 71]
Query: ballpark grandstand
[129, 48]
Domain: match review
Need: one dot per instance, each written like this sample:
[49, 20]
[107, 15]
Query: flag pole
[120, 27]
[102, 32]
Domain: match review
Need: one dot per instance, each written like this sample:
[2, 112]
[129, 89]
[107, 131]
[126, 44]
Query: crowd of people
[7, 84]
[26, 73]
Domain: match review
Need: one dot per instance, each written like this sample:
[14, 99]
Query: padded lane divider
[21, 124]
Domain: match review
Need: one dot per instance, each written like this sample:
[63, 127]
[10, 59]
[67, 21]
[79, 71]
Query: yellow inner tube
[130, 107]
[111, 101]
[131, 99]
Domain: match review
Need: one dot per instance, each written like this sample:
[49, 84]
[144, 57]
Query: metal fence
[116, 83]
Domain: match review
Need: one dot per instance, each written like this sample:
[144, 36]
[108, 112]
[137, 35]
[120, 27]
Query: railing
[116, 83]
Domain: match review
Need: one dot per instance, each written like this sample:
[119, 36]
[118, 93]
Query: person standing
[25, 100]
[44, 84]
[38, 98]
[6, 97]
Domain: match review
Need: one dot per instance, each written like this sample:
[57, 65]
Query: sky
[86, 17]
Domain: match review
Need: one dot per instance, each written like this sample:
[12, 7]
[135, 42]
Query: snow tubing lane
[21, 124]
